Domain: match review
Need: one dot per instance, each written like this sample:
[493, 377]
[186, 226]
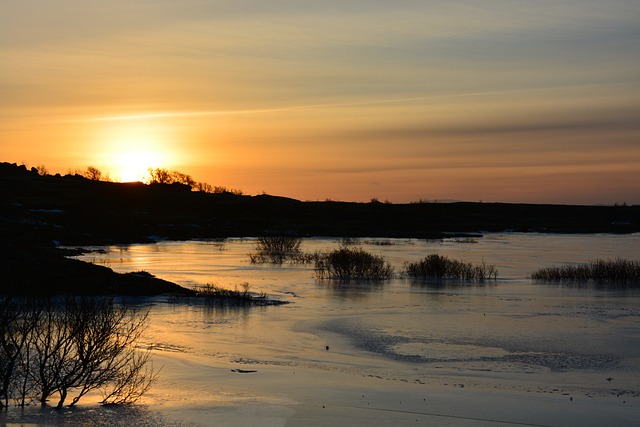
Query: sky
[475, 100]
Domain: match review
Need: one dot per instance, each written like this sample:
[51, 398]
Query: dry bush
[440, 267]
[276, 249]
[65, 348]
[352, 263]
[616, 270]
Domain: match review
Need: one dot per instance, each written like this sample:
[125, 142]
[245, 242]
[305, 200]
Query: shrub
[67, 348]
[352, 263]
[440, 267]
[93, 173]
[386, 242]
[166, 176]
[213, 295]
[348, 241]
[617, 270]
[276, 249]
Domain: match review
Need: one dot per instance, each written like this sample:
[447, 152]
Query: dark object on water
[243, 371]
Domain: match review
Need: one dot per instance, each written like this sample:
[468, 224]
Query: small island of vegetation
[616, 271]
[440, 267]
[352, 264]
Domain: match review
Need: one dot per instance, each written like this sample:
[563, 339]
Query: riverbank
[38, 213]
[75, 211]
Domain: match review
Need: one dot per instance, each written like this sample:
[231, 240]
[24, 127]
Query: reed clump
[440, 267]
[276, 249]
[214, 292]
[348, 241]
[612, 270]
[352, 263]
[241, 296]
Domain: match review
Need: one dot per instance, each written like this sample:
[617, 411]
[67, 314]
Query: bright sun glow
[131, 166]
[132, 147]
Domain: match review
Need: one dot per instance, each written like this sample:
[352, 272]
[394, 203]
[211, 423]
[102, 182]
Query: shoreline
[40, 213]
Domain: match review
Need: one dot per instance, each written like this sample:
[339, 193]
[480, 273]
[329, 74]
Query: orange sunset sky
[493, 100]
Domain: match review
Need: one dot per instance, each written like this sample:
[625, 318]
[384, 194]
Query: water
[509, 336]
[508, 324]
[511, 320]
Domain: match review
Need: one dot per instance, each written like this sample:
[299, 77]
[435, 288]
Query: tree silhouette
[93, 173]
[67, 348]
[160, 176]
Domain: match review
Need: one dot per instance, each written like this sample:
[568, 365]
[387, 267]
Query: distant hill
[74, 210]
[38, 213]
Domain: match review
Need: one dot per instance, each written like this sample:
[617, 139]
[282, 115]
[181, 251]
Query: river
[397, 352]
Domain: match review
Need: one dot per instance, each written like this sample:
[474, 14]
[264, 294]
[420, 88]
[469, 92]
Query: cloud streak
[363, 103]
[411, 94]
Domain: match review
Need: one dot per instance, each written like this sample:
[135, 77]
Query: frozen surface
[506, 352]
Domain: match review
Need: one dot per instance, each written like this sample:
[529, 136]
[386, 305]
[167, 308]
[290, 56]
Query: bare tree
[68, 348]
[183, 178]
[203, 187]
[19, 318]
[160, 176]
[42, 170]
[93, 173]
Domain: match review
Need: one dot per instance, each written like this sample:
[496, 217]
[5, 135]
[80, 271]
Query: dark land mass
[38, 213]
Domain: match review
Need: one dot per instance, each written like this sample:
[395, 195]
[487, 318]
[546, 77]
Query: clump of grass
[352, 263]
[440, 267]
[275, 249]
[241, 296]
[241, 291]
[616, 270]
[466, 240]
[349, 241]
[380, 242]
[305, 257]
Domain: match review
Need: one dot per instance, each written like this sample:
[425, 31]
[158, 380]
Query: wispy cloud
[361, 103]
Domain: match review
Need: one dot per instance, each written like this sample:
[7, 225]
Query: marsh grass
[349, 241]
[613, 270]
[466, 240]
[352, 263]
[276, 249]
[210, 290]
[305, 257]
[240, 296]
[440, 267]
[380, 242]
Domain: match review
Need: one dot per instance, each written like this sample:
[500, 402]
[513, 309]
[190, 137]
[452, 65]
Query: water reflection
[99, 416]
[449, 284]
[350, 290]
[405, 328]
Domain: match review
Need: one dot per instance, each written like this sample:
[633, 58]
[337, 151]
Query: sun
[130, 166]
[131, 147]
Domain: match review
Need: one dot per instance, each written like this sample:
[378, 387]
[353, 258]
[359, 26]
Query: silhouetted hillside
[74, 210]
[38, 211]
[35, 270]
